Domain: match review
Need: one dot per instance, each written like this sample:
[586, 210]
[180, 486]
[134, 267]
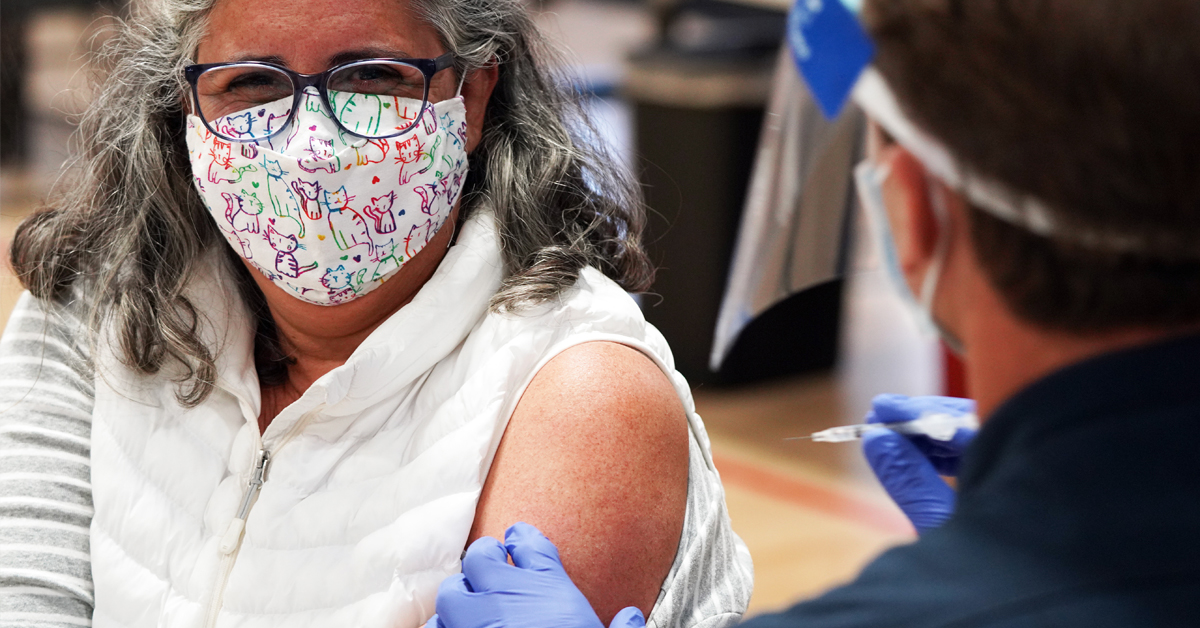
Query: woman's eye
[378, 78]
[374, 73]
[256, 81]
[371, 73]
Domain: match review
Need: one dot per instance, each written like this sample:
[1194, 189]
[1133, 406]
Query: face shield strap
[873, 95]
[877, 100]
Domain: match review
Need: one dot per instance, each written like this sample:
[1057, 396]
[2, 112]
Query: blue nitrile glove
[533, 592]
[909, 466]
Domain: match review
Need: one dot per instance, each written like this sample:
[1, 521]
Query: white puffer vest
[371, 477]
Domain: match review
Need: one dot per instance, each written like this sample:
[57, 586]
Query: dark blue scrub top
[1079, 506]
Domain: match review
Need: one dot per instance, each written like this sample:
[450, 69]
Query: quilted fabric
[375, 471]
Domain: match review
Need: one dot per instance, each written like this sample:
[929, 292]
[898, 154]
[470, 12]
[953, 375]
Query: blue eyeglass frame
[301, 82]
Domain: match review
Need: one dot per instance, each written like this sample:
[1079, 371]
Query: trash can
[696, 122]
[699, 100]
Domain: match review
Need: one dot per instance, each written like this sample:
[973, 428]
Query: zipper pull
[233, 535]
[260, 470]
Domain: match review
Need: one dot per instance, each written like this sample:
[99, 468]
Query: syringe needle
[938, 426]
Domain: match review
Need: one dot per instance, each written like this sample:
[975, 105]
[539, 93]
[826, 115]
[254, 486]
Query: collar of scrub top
[872, 94]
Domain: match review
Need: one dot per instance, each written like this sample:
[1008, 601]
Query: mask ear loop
[937, 198]
[461, 216]
[929, 284]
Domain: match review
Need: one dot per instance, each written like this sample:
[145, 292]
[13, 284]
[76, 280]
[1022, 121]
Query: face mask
[325, 215]
[869, 178]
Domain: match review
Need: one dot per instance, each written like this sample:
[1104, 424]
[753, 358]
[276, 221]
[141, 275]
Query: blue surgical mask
[869, 178]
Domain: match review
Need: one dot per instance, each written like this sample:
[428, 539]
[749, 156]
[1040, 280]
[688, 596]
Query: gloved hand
[909, 466]
[533, 592]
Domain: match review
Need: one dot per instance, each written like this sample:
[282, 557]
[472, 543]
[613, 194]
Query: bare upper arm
[596, 456]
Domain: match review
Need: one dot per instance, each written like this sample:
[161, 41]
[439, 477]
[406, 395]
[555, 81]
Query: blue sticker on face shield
[831, 49]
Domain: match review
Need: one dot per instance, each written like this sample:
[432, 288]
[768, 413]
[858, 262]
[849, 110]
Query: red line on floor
[809, 495]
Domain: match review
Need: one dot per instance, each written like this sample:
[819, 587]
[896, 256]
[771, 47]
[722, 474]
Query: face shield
[794, 228]
[795, 224]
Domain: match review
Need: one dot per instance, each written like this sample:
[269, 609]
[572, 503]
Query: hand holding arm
[533, 592]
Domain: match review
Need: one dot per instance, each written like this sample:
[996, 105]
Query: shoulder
[593, 304]
[46, 377]
[604, 388]
[44, 333]
[591, 334]
[596, 456]
[605, 419]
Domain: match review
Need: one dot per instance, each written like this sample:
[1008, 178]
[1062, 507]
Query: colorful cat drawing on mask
[308, 193]
[319, 157]
[237, 125]
[285, 253]
[221, 169]
[373, 152]
[408, 154]
[429, 193]
[418, 236]
[380, 211]
[242, 210]
[347, 226]
[340, 283]
[283, 199]
[388, 261]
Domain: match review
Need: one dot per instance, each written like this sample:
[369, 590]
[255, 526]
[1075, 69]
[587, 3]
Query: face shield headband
[833, 53]
[872, 94]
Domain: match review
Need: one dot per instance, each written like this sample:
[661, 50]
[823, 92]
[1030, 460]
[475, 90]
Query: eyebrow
[337, 59]
[277, 60]
[367, 53]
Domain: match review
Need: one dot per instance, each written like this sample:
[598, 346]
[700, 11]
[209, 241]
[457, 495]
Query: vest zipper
[233, 535]
[231, 542]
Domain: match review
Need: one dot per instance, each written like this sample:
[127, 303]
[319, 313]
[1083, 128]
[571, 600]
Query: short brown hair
[1091, 106]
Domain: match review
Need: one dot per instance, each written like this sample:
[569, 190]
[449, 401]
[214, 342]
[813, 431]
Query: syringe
[938, 426]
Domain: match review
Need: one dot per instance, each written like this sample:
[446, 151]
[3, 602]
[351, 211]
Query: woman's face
[315, 35]
[310, 37]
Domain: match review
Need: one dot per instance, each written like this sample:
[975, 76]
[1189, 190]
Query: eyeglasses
[370, 98]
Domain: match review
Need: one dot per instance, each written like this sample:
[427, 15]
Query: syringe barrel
[937, 426]
[843, 433]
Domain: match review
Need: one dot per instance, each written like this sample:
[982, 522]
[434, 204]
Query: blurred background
[753, 226]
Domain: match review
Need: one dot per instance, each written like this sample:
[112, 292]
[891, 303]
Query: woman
[413, 335]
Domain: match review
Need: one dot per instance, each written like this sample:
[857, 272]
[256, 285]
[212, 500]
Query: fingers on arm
[484, 563]
[530, 548]
[628, 617]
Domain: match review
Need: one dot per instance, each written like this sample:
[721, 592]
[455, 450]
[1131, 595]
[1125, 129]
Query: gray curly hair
[126, 227]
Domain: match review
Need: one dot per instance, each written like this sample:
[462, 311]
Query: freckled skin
[596, 452]
[596, 456]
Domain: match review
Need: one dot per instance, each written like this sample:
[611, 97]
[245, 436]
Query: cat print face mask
[326, 215]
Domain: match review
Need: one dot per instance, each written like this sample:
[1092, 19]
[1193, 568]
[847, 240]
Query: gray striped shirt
[46, 394]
